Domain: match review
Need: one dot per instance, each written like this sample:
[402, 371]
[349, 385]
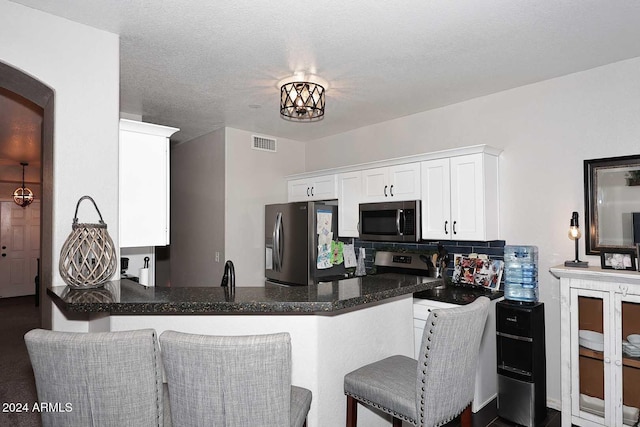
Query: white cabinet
[316, 188]
[600, 381]
[349, 196]
[460, 198]
[486, 385]
[144, 184]
[399, 182]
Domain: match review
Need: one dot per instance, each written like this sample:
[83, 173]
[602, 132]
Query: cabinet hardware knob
[4, 255]
[618, 363]
[385, 190]
[4, 247]
[607, 360]
[445, 227]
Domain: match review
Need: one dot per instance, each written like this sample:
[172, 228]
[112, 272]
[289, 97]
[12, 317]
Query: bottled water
[521, 273]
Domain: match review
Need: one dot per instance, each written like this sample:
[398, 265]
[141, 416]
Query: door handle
[276, 237]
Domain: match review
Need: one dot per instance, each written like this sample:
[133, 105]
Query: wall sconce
[301, 98]
[23, 196]
[575, 234]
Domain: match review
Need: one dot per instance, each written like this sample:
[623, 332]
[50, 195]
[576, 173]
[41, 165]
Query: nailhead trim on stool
[382, 408]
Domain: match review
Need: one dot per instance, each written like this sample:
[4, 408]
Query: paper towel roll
[144, 276]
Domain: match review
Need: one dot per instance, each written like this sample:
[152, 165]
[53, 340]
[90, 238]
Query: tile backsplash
[494, 249]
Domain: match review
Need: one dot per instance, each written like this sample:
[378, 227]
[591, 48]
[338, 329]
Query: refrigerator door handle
[280, 241]
[276, 238]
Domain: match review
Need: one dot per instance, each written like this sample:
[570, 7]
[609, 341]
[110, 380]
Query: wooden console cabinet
[600, 382]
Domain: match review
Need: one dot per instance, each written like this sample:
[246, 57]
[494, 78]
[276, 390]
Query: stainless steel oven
[390, 221]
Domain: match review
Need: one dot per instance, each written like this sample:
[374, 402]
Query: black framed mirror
[612, 197]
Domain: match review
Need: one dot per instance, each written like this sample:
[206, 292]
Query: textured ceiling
[200, 64]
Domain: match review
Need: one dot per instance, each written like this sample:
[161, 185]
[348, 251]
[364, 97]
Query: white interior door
[20, 244]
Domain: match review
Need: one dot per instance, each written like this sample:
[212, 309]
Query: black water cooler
[522, 385]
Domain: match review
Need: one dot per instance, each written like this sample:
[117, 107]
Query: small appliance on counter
[124, 266]
[296, 239]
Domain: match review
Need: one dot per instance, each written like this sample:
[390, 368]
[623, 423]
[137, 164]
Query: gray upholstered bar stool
[99, 379]
[232, 381]
[437, 387]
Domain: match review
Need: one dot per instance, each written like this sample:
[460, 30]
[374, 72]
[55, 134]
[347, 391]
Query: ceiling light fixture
[23, 196]
[302, 98]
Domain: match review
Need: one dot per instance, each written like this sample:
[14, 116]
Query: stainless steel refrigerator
[291, 243]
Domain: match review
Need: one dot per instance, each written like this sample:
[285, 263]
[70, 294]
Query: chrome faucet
[229, 278]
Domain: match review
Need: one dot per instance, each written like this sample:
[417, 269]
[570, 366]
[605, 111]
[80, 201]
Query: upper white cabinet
[144, 184]
[317, 188]
[460, 198]
[349, 196]
[399, 182]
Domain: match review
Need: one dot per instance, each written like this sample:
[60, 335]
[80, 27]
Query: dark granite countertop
[128, 297]
[458, 294]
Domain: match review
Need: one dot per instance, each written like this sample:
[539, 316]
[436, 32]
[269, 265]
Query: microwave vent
[264, 144]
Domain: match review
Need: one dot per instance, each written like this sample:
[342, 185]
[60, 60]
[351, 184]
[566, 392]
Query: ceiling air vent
[264, 144]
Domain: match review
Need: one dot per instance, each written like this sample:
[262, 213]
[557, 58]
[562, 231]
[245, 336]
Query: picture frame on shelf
[618, 259]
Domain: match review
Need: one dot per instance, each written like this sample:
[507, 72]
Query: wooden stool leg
[465, 418]
[352, 411]
[397, 422]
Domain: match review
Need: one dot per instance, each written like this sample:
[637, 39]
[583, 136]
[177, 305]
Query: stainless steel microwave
[390, 221]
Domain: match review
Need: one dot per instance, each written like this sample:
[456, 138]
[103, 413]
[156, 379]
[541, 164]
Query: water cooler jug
[521, 273]
[522, 387]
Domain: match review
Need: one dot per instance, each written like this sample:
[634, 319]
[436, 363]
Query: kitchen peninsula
[335, 327]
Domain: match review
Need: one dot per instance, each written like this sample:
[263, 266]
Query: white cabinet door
[375, 187]
[324, 188]
[299, 190]
[144, 184]
[460, 198]
[436, 201]
[394, 183]
[349, 195]
[318, 188]
[467, 198]
[404, 182]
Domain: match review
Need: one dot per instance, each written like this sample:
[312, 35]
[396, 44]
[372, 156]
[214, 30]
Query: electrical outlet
[217, 256]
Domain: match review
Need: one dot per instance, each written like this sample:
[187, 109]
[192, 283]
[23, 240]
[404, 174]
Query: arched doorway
[35, 91]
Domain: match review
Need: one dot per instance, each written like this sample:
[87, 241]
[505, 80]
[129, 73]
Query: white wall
[546, 130]
[81, 64]
[197, 210]
[253, 179]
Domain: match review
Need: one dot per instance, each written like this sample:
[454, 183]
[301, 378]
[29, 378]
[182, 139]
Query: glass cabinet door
[591, 357]
[627, 361]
